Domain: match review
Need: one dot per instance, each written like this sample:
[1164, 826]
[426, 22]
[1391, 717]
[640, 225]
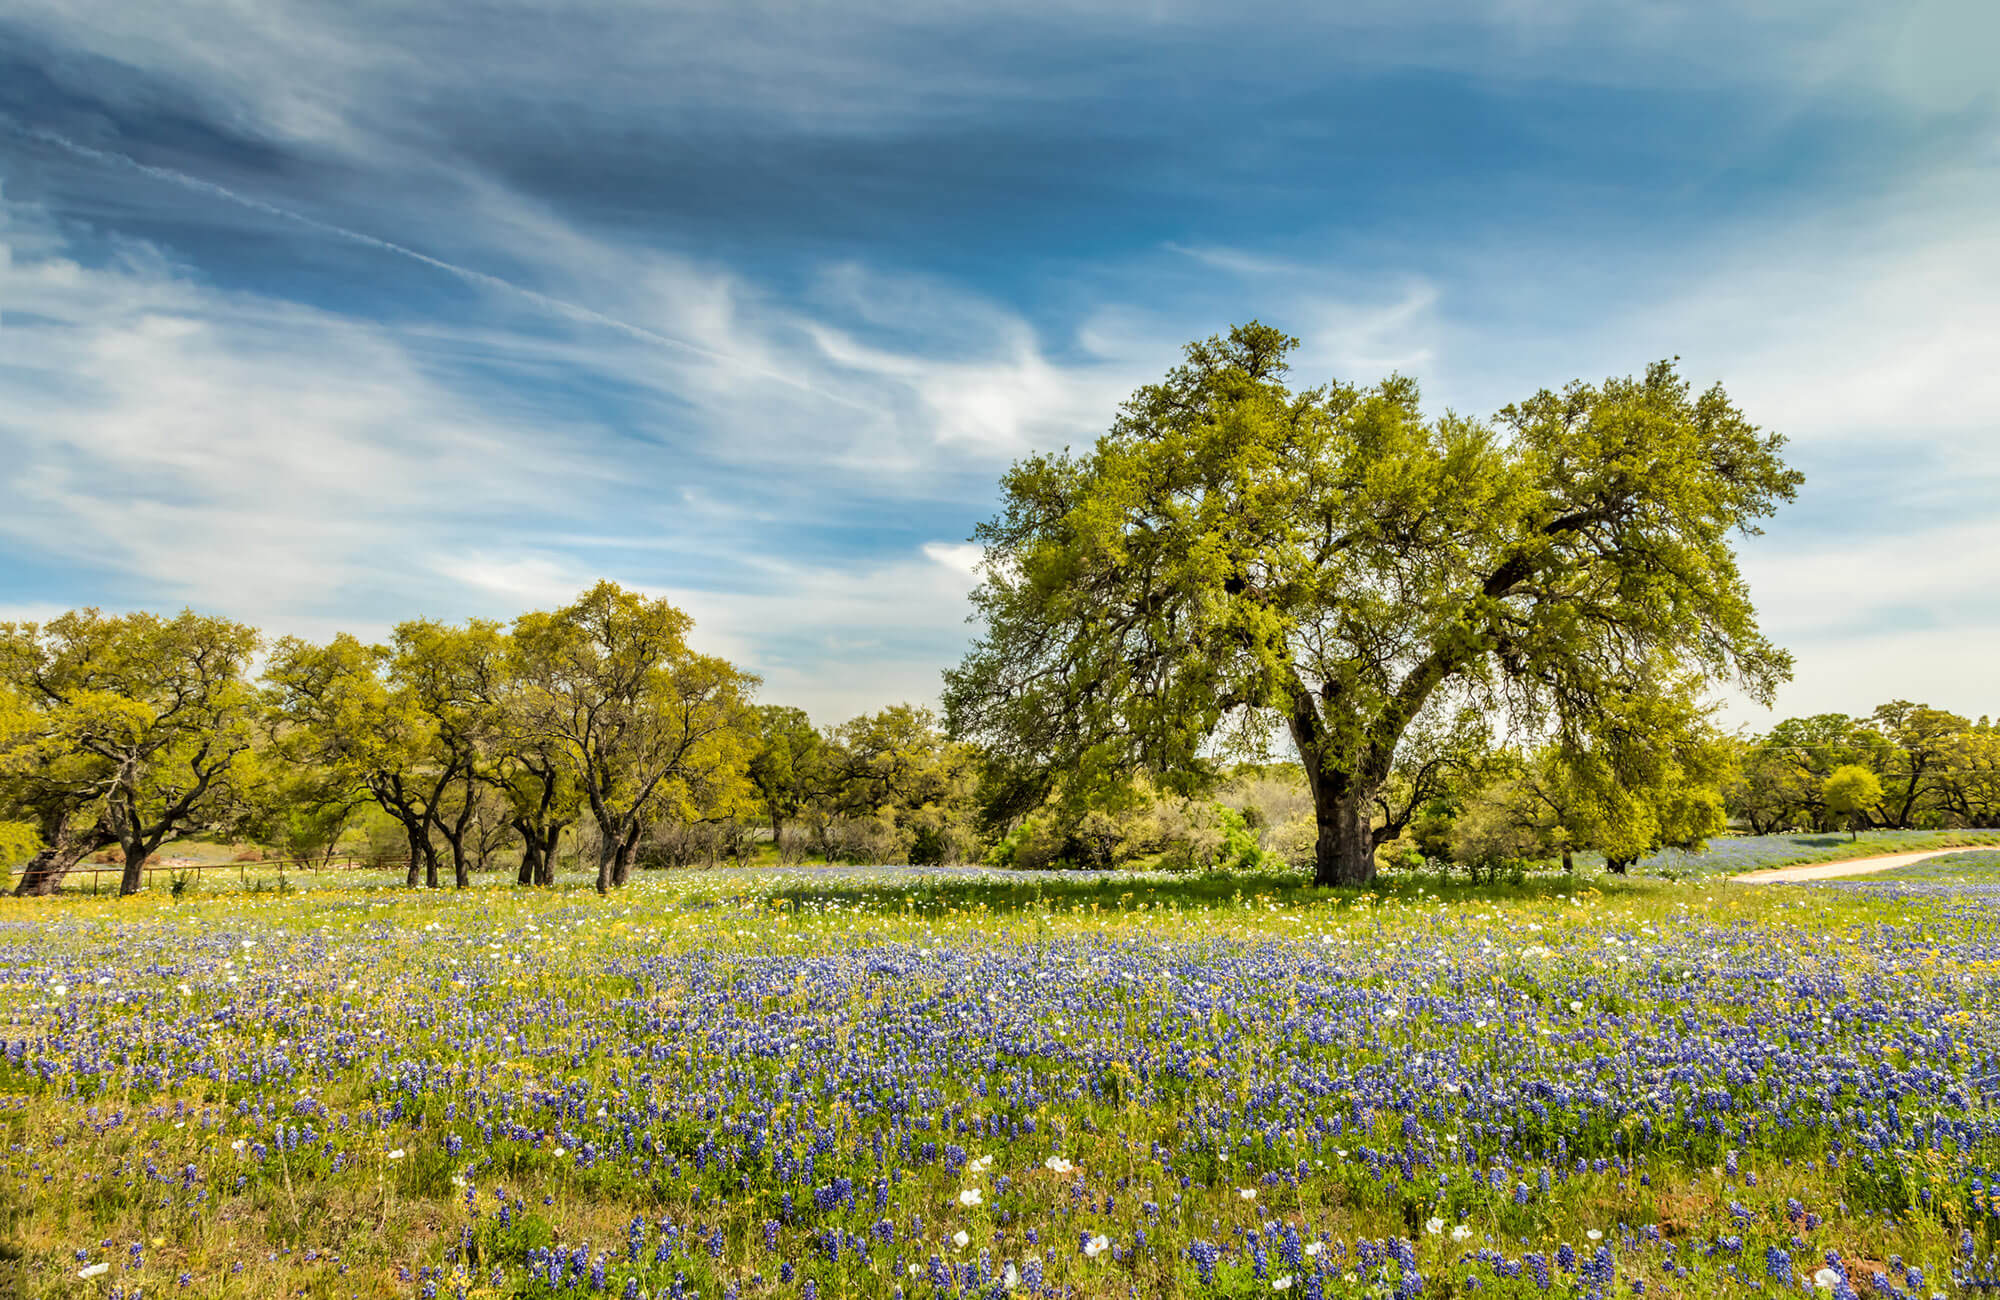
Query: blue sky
[329, 315]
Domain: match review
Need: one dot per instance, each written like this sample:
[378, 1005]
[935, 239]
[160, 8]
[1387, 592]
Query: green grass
[1733, 854]
[388, 1021]
[1973, 867]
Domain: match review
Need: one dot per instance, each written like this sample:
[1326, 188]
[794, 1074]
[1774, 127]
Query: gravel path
[1828, 870]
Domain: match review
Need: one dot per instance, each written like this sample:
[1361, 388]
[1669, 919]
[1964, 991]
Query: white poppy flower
[397, 1154]
[1314, 1249]
[1282, 1283]
[961, 1238]
[1594, 1235]
[1434, 1226]
[1097, 1246]
[1058, 1164]
[1460, 1233]
[970, 1196]
[93, 1270]
[1247, 1193]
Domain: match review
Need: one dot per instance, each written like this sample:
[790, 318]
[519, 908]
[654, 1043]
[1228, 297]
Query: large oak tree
[1333, 560]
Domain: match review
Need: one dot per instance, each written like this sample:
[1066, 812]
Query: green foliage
[1850, 791]
[1240, 850]
[1144, 828]
[1009, 851]
[883, 787]
[1936, 769]
[136, 729]
[1490, 835]
[1239, 555]
[18, 840]
[789, 768]
[651, 730]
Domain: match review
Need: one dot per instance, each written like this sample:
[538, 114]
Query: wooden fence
[315, 866]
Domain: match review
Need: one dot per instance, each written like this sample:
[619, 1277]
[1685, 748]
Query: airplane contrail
[482, 278]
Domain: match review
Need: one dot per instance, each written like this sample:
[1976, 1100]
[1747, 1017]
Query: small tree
[788, 768]
[651, 730]
[333, 710]
[1492, 834]
[452, 677]
[1850, 792]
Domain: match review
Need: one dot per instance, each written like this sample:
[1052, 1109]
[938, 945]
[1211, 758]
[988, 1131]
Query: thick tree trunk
[538, 852]
[545, 873]
[621, 865]
[1569, 866]
[135, 870]
[45, 871]
[1344, 854]
[420, 854]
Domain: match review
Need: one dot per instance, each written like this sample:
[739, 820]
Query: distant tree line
[595, 736]
[1930, 769]
[595, 730]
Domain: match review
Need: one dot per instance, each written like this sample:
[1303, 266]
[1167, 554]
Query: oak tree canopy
[1332, 561]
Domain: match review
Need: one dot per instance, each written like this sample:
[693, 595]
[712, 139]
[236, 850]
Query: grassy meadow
[877, 1082]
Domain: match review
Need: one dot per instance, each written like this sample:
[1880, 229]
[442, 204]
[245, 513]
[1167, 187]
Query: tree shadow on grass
[1116, 892]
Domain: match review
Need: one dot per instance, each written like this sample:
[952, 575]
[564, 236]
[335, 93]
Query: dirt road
[1828, 870]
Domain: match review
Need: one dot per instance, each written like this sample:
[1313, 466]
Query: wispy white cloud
[227, 449]
[622, 401]
[309, 471]
[836, 640]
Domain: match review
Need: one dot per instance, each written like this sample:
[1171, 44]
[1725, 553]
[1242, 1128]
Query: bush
[865, 841]
[1031, 846]
[1293, 841]
[685, 844]
[1239, 849]
[930, 848]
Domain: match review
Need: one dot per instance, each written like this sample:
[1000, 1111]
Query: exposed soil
[1828, 870]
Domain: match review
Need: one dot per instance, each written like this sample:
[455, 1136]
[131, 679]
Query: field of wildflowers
[871, 1084]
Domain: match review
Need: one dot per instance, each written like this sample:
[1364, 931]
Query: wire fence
[281, 866]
